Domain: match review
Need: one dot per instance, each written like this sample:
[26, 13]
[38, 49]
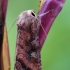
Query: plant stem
[53, 7]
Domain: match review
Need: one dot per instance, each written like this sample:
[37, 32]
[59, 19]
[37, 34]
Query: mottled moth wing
[28, 45]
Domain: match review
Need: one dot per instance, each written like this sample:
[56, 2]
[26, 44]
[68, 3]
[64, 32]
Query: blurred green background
[55, 53]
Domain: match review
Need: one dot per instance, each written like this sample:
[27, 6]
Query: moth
[27, 44]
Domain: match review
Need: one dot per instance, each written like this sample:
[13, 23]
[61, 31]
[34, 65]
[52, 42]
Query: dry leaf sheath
[4, 50]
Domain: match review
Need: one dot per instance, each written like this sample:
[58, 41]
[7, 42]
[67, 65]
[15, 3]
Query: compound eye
[33, 14]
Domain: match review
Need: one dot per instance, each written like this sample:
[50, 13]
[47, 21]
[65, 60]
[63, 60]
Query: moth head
[26, 17]
[31, 13]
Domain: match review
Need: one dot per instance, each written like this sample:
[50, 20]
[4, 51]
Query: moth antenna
[46, 13]
[12, 26]
[43, 15]
[43, 29]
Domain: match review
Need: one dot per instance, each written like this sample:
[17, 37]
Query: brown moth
[28, 45]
